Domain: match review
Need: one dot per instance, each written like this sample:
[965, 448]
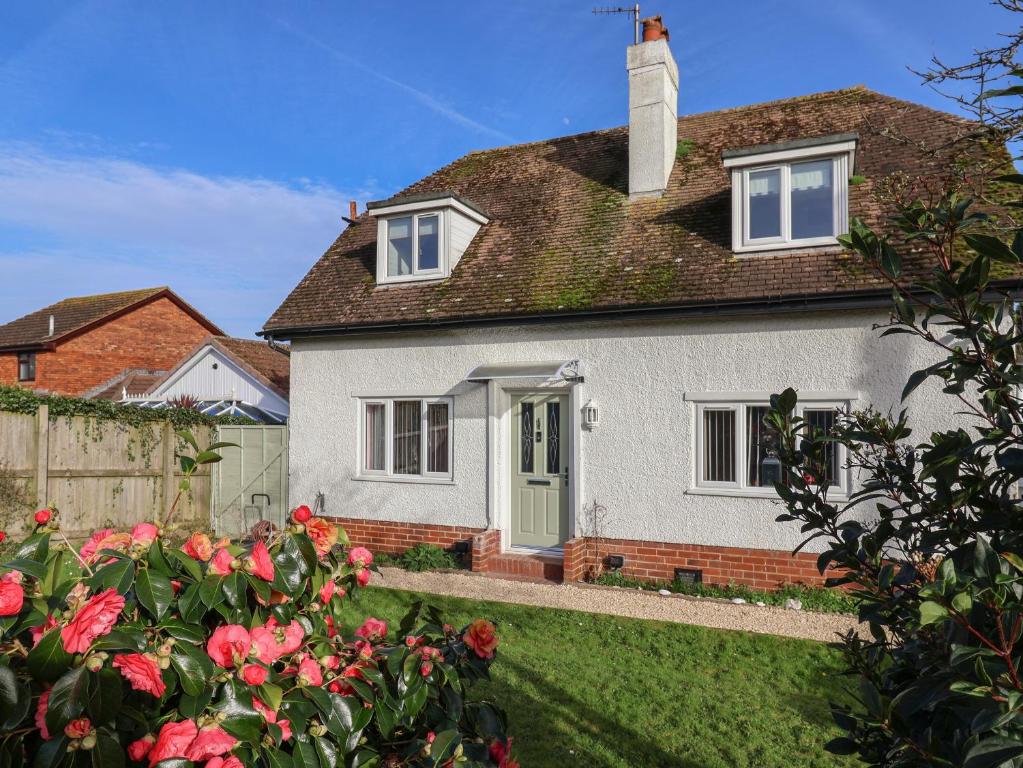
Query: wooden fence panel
[101, 473]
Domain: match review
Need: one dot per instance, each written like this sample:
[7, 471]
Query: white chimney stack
[653, 111]
[52, 326]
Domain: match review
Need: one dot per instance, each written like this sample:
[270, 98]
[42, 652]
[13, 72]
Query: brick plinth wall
[656, 561]
[394, 538]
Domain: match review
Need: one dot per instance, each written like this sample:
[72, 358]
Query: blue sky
[213, 147]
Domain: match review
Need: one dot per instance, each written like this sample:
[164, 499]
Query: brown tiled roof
[133, 381]
[564, 239]
[74, 315]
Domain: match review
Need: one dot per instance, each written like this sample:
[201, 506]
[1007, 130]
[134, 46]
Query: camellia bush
[130, 651]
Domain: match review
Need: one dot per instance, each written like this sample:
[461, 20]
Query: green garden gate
[251, 482]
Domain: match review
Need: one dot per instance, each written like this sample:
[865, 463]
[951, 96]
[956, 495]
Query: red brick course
[394, 538]
[154, 336]
[656, 561]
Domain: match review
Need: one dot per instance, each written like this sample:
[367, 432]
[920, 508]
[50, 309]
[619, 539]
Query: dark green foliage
[423, 557]
[932, 541]
[818, 599]
[18, 400]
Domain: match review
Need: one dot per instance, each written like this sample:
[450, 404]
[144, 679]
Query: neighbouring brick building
[78, 344]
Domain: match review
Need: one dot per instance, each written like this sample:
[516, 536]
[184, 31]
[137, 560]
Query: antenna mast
[634, 10]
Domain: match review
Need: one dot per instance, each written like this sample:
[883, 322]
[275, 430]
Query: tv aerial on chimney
[634, 10]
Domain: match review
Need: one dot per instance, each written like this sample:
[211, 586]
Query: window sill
[793, 246]
[410, 480]
[753, 493]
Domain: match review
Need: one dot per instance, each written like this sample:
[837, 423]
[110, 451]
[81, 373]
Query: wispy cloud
[233, 246]
[424, 98]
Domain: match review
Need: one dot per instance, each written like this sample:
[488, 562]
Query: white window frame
[417, 274]
[387, 473]
[740, 402]
[842, 158]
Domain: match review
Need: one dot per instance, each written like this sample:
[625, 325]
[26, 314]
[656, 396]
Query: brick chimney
[653, 111]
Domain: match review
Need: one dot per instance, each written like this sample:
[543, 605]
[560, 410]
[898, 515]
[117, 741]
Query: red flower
[327, 592]
[254, 674]
[229, 645]
[482, 638]
[360, 556]
[142, 672]
[12, 597]
[271, 717]
[372, 630]
[363, 649]
[144, 533]
[139, 748]
[211, 741]
[220, 565]
[301, 514]
[3, 537]
[362, 577]
[293, 635]
[260, 564]
[331, 629]
[500, 753]
[331, 662]
[78, 729]
[173, 741]
[41, 629]
[95, 619]
[42, 517]
[41, 708]
[198, 547]
[230, 762]
[264, 645]
[323, 534]
[309, 673]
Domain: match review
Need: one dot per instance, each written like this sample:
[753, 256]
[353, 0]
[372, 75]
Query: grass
[818, 599]
[601, 691]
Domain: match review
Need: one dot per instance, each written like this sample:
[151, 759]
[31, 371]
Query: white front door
[539, 470]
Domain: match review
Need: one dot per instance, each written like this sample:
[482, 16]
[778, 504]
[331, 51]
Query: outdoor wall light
[591, 415]
[615, 561]
[689, 575]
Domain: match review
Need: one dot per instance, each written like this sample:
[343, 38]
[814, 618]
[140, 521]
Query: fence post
[169, 486]
[42, 453]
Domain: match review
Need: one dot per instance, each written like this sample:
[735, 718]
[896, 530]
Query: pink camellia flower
[362, 577]
[142, 672]
[292, 635]
[254, 674]
[3, 536]
[219, 762]
[89, 548]
[42, 517]
[363, 649]
[327, 592]
[229, 645]
[172, 741]
[139, 748]
[323, 534]
[331, 629]
[481, 636]
[95, 619]
[360, 556]
[78, 729]
[372, 630]
[500, 753]
[41, 629]
[40, 719]
[12, 595]
[271, 717]
[260, 565]
[144, 533]
[211, 741]
[309, 673]
[198, 547]
[330, 662]
[220, 565]
[264, 645]
[426, 668]
[301, 514]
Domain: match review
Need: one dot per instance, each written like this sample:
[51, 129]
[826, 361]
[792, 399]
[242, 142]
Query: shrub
[426, 557]
[132, 651]
[932, 539]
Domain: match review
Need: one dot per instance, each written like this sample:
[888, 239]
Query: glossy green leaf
[105, 696]
[107, 753]
[68, 698]
[154, 591]
[48, 660]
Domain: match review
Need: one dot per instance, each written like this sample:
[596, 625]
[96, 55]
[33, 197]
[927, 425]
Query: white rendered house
[562, 351]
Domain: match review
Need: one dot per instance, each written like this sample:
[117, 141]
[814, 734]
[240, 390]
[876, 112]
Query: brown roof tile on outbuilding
[565, 240]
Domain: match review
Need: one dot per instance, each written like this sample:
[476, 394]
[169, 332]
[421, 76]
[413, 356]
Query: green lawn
[591, 690]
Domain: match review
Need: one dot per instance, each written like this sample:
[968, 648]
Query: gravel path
[681, 609]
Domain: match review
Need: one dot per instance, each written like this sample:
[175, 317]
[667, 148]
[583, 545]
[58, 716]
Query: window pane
[823, 421]
[812, 199]
[762, 444]
[526, 438]
[375, 451]
[428, 242]
[719, 446]
[408, 431]
[553, 438]
[764, 196]
[26, 366]
[437, 437]
[399, 246]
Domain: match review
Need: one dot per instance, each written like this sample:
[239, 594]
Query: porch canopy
[562, 370]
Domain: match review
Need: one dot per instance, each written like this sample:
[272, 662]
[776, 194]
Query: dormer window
[790, 195]
[423, 237]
